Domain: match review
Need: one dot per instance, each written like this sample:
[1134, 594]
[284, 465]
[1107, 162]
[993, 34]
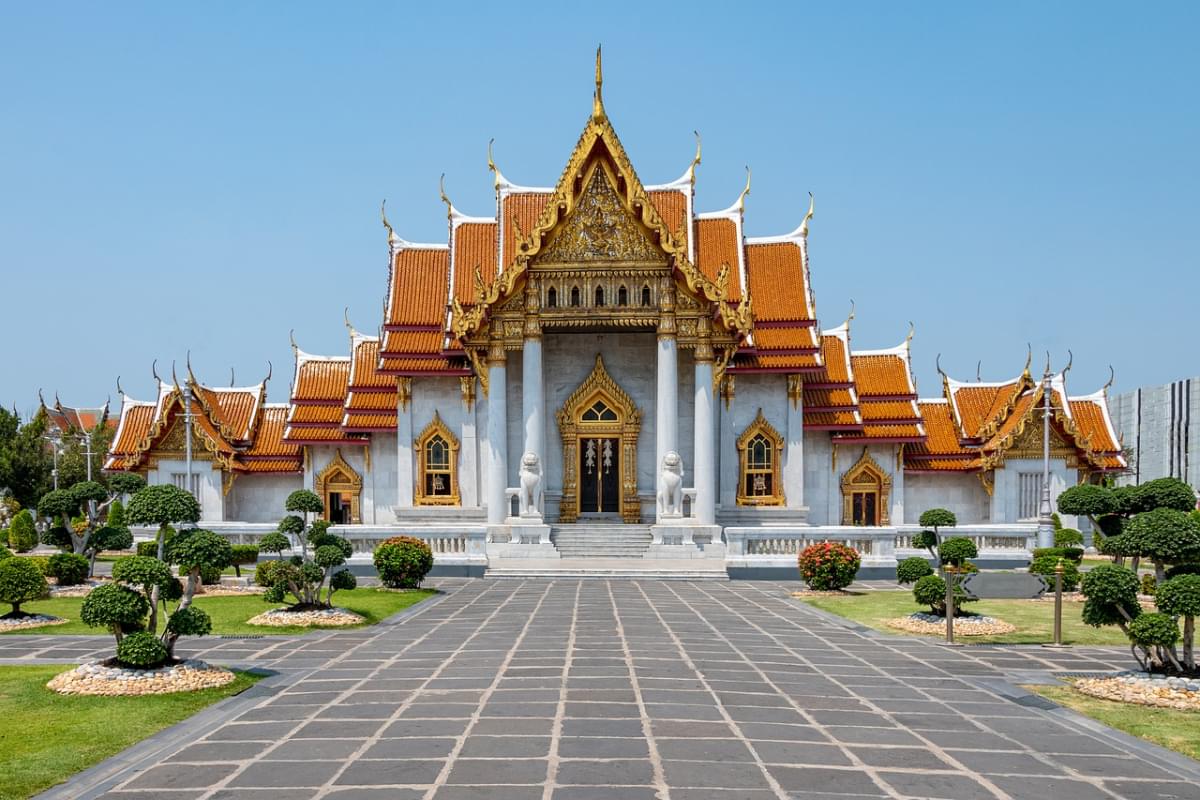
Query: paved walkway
[631, 690]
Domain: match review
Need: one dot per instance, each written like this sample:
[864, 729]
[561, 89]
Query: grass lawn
[52, 736]
[229, 614]
[1177, 730]
[1034, 619]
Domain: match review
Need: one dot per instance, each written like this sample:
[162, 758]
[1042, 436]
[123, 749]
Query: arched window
[339, 486]
[760, 449]
[599, 412]
[437, 465]
[865, 490]
[599, 296]
[622, 296]
[551, 298]
[646, 295]
[574, 297]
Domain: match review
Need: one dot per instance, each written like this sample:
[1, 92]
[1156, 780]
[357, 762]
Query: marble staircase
[600, 540]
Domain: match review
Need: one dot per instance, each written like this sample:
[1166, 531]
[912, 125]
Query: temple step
[601, 541]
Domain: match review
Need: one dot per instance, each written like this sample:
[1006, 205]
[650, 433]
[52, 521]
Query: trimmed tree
[1111, 599]
[22, 534]
[1180, 597]
[243, 555]
[403, 562]
[274, 542]
[88, 502]
[912, 569]
[932, 520]
[20, 582]
[1165, 536]
[321, 556]
[1156, 634]
[162, 505]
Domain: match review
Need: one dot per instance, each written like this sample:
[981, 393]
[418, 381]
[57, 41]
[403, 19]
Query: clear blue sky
[208, 176]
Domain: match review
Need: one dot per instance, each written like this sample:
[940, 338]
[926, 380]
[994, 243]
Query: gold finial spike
[42, 400]
[346, 319]
[598, 98]
[695, 159]
[391, 234]
[492, 166]
[912, 329]
[174, 377]
[1111, 377]
[120, 391]
[1070, 361]
[445, 199]
[938, 363]
[292, 338]
[812, 202]
[1028, 356]
[1047, 362]
[191, 376]
[741, 203]
[270, 371]
[850, 316]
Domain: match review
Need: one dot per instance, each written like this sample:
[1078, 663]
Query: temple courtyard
[563, 689]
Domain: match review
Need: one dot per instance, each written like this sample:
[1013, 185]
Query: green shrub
[1074, 554]
[190, 621]
[1046, 566]
[268, 572]
[1149, 585]
[244, 554]
[1068, 537]
[274, 542]
[912, 569]
[829, 566]
[1111, 593]
[5, 552]
[1191, 568]
[931, 591]
[148, 549]
[110, 538]
[116, 607]
[57, 536]
[210, 576]
[22, 535]
[41, 562]
[957, 550]
[1154, 629]
[926, 540]
[144, 571]
[937, 518]
[70, 569]
[142, 650]
[342, 579]
[20, 582]
[403, 562]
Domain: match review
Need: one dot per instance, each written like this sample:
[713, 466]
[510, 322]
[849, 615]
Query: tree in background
[72, 462]
[90, 500]
[25, 461]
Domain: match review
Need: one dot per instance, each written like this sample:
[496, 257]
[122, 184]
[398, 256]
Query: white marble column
[533, 400]
[703, 470]
[405, 463]
[666, 422]
[497, 429]
[793, 455]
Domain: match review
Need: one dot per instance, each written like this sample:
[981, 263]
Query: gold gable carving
[599, 229]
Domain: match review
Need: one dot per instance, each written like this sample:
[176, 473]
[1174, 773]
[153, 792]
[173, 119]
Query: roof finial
[912, 329]
[695, 160]
[232, 378]
[812, 202]
[120, 391]
[1047, 372]
[979, 370]
[938, 363]
[174, 377]
[851, 315]
[1111, 377]
[741, 203]
[191, 377]
[1070, 361]
[154, 371]
[1028, 357]
[445, 199]
[598, 98]
[391, 237]
[346, 318]
[492, 166]
[57, 402]
[41, 399]
[270, 371]
[292, 337]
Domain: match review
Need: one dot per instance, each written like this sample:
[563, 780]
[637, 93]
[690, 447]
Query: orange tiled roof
[419, 281]
[941, 451]
[981, 407]
[365, 423]
[319, 392]
[891, 433]
[315, 414]
[234, 411]
[321, 379]
[822, 399]
[764, 360]
[671, 206]
[1091, 419]
[786, 338]
[778, 282]
[879, 374]
[69, 418]
[421, 366]
[717, 243]
[835, 352]
[270, 453]
[364, 377]
[523, 208]
[826, 420]
[411, 342]
[889, 411]
[475, 244]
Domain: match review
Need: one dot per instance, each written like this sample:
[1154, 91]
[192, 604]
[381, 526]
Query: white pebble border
[229, 591]
[1149, 690]
[97, 679]
[933, 625]
[33, 621]
[823, 593]
[279, 617]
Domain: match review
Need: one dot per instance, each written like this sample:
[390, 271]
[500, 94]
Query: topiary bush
[274, 542]
[403, 562]
[120, 609]
[5, 552]
[1047, 565]
[931, 591]
[957, 550]
[68, 568]
[1156, 634]
[829, 566]
[1068, 537]
[1191, 568]
[1111, 591]
[1074, 554]
[22, 534]
[244, 555]
[1149, 585]
[210, 576]
[912, 569]
[20, 582]
[1180, 596]
[141, 650]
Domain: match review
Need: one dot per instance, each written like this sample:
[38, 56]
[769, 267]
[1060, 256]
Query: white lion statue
[670, 486]
[531, 484]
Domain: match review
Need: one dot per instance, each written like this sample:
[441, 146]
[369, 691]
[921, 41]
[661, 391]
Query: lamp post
[187, 421]
[1045, 526]
[55, 440]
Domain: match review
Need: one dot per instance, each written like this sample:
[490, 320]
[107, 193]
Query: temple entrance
[599, 476]
[599, 425]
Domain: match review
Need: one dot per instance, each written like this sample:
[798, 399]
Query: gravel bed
[825, 593]
[933, 625]
[332, 617]
[229, 591]
[96, 678]
[32, 621]
[1148, 690]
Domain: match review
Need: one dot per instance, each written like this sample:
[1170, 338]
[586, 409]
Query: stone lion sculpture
[670, 491]
[531, 482]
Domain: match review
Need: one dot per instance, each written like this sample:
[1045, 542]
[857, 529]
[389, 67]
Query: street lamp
[1045, 526]
[55, 439]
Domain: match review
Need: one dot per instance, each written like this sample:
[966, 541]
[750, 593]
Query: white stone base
[508, 550]
[682, 534]
[691, 552]
[526, 531]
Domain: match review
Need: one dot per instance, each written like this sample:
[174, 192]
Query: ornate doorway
[599, 426]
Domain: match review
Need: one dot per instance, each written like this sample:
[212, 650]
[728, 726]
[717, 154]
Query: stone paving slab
[588, 690]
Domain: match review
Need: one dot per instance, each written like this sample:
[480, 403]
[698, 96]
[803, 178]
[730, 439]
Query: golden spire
[120, 391]
[391, 234]
[741, 202]
[1028, 358]
[598, 98]
[812, 202]
[912, 329]
[346, 319]
[851, 314]
[1111, 377]
[979, 371]
[492, 166]
[295, 347]
[445, 199]
[695, 160]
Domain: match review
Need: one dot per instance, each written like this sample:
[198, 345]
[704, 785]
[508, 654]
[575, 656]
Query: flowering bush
[828, 566]
[403, 562]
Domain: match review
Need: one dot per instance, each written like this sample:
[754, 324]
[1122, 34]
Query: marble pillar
[666, 422]
[533, 400]
[704, 468]
[497, 429]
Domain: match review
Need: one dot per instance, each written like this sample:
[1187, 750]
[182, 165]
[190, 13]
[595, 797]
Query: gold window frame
[760, 427]
[338, 476]
[865, 475]
[436, 429]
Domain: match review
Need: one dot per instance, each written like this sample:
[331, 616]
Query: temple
[595, 367]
